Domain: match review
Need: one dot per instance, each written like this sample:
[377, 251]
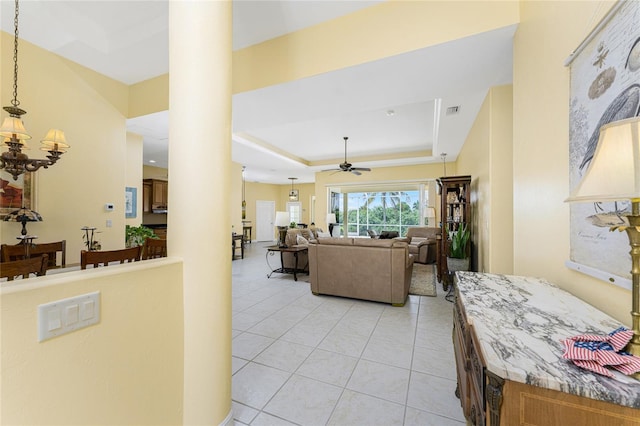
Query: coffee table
[272, 250]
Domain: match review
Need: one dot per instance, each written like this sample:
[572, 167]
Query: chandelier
[14, 135]
[293, 194]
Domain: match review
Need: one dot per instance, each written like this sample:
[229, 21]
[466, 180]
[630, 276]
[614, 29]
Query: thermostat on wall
[108, 207]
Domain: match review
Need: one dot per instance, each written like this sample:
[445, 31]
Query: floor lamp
[614, 175]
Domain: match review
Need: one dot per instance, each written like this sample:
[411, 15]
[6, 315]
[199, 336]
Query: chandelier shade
[14, 127]
[54, 141]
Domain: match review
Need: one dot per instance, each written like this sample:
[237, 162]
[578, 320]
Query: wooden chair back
[18, 252]
[154, 248]
[23, 267]
[97, 258]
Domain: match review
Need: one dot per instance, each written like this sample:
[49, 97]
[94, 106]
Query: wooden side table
[246, 232]
[234, 238]
[271, 250]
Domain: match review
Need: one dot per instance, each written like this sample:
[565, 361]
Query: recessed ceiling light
[152, 161]
[391, 112]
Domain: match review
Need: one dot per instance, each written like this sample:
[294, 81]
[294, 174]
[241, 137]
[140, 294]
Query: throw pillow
[302, 241]
[306, 233]
[417, 240]
[323, 234]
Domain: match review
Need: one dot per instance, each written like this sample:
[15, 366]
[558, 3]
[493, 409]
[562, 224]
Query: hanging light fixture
[244, 202]
[293, 194]
[14, 135]
[444, 162]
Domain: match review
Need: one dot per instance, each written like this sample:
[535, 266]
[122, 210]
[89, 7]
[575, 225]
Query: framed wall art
[16, 193]
[130, 202]
[605, 87]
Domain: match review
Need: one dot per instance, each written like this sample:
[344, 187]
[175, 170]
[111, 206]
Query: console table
[507, 341]
[271, 250]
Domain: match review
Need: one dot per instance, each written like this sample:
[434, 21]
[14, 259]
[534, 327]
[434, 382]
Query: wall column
[199, 226]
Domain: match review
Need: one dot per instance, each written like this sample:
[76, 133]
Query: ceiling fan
[348, 167]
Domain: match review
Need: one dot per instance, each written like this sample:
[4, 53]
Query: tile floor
[300, 359]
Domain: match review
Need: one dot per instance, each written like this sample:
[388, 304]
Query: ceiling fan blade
[355, 172]
[362, 169]
[331, 170]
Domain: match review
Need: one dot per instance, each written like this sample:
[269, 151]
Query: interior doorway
[265, 215]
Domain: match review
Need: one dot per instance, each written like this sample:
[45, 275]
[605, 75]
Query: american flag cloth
[620, 337]
[585, 351]
[594, 353]
[593, 366]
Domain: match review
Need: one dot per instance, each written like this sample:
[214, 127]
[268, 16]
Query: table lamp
[430, 215]
[23, 215]
[331, 220]
[282, 223]
[613, 175]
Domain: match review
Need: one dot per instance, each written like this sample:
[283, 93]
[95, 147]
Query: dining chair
[24, 267]
[19, 252]
[154, 248]
[104, 257]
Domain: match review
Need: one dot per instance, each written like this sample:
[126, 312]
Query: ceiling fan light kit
[346, 166]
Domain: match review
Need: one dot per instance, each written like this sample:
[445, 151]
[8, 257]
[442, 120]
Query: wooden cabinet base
[530, 405]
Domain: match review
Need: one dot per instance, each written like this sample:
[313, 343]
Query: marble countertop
[520, 323]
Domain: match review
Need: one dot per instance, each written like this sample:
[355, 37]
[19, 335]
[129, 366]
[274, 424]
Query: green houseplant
[457, 259]
[135, 235]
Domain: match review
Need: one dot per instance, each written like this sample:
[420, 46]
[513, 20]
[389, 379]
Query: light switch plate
[66, 315]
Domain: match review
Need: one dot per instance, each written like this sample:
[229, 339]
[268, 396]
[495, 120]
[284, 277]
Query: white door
[265, 216]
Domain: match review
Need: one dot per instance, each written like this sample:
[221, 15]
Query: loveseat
[422, 242]
[361, 268]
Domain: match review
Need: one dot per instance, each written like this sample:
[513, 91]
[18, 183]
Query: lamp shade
[23, 215]
[282, 219]
[331, 218]
[430, 212]
[13, 126]
[614, 171]
[54, 141]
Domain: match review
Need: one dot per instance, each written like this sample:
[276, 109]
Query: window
[295, 212]
[384, 208]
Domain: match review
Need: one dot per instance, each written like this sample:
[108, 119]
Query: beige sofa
[361, 268]
[422, 242]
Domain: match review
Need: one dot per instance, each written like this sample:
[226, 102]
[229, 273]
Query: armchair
[422, 243]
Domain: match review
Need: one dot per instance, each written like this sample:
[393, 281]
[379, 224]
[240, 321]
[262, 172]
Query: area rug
[423, 280]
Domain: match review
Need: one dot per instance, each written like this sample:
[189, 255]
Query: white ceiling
[389, 107]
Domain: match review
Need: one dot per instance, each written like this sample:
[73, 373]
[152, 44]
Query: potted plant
[457, 259]
[135, 235]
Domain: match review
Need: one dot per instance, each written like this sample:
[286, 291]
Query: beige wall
[548, 33]
[487, 157]
[127, 369]
[73, 192]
